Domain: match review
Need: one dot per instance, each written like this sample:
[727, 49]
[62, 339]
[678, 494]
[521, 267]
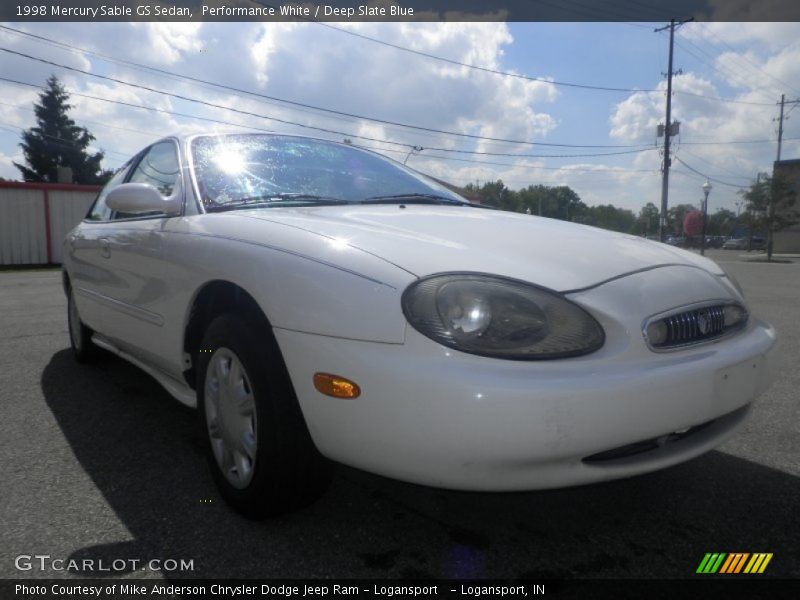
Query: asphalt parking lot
[99, 462]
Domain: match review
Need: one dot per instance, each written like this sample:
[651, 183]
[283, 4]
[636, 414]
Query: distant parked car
[735, 244]
[316, 301]
[757, 243]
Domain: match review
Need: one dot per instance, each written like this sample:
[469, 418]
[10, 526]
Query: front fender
[302, 281]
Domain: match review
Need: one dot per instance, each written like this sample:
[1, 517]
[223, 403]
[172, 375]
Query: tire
[257, 444]
[80, 336]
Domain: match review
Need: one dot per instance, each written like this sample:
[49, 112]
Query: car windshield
[259, 170]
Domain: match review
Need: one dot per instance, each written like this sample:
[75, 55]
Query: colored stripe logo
[734, 562]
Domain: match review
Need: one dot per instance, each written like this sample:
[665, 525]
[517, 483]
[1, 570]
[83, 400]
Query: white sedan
[317, 302]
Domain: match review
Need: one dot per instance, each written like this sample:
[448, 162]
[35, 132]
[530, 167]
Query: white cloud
[756, 60]
[166, 43]
[7, 168]
[311, 64]
[317, 65]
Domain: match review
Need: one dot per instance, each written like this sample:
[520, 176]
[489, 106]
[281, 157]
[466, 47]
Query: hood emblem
[703, 322]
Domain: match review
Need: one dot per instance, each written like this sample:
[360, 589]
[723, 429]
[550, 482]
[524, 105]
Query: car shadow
[141, 449]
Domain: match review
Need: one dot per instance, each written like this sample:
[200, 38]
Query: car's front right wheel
[258, 446]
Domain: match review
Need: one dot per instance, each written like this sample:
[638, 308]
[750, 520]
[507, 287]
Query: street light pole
[706, 190]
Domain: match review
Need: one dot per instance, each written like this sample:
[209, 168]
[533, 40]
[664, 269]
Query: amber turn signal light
[338, 387]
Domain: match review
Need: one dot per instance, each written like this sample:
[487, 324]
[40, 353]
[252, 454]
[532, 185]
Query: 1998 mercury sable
[317, 301]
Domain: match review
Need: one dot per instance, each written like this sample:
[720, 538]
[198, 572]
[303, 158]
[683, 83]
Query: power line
[197, 101]
[700, 142]
[514, 164]
[718, 143]
[477, 152]
[487, 69]
[720, 99]
[723, 73]
[528, 77]
[745, 60]
[149, 108]
[737, 78]
[256, 128]
[302, 104]
[726, 74]
[286, 121]
[691, 168]
[539, 167]
[150, 134]
[708, 162]
[483, 69]
[60, 139]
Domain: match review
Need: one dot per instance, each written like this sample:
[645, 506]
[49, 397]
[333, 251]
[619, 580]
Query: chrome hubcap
[231, 417]
[74, 323]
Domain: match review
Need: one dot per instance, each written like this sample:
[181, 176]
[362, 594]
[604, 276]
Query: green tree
[647, 222]
[495, 193]
[770, 201]
[57, 141]
[536, 198]
[560, 202]
[568, 205]
[721, 222]
[675, 217]
[610, 217]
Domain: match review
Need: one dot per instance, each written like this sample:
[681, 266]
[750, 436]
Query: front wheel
[259, 449]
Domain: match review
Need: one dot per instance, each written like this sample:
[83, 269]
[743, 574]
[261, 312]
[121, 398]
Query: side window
[99, 210]
[158, 167]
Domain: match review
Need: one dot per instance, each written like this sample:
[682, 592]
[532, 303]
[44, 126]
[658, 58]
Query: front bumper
[431, 415]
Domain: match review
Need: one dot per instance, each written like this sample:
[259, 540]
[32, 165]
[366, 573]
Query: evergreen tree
[57, 141]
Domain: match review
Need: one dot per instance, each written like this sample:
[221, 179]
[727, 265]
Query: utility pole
[662, 224]
[781, 119]
[780, 127]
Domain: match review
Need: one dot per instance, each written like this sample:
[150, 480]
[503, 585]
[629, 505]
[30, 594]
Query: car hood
[427, 239]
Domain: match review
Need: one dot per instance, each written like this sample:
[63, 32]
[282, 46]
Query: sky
[726, 96]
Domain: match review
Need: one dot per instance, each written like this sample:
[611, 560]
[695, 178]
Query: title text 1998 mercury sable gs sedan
[317, 301]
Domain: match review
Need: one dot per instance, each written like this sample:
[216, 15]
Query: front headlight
[498, 317]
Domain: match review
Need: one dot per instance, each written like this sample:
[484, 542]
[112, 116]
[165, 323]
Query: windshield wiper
[413, 198]
[282, 199]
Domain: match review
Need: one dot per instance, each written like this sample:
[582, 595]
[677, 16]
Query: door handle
[105, 248]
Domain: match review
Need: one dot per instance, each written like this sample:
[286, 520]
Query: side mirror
[138, 198]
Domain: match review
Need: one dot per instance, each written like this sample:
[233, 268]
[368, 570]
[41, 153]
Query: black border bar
[708, 587]
[397, 10]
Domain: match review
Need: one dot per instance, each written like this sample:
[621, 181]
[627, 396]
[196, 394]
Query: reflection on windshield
[230, 169]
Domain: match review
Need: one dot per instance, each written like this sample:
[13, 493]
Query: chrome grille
[692, 326]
